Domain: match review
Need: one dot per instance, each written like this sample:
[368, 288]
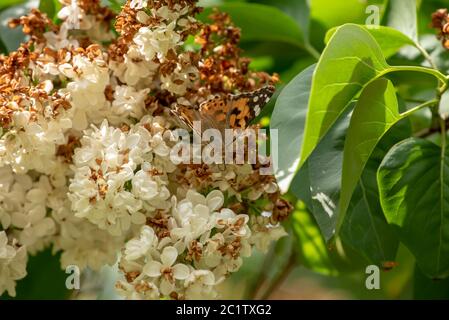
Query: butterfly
[233, 111]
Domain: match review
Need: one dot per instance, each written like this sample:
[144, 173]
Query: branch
[281, 277]
[255, 286]
[428, 132]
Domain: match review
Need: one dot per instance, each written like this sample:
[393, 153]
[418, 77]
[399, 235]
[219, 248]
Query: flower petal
[166, 287]
[201, 210]
[169, 255]
[152, 269]
[180, 271]
[195, 197]
[215, 200]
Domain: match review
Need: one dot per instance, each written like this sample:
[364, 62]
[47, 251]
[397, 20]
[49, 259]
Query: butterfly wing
[213, 113]
[232, 111]
[245, 107]
[186, 116]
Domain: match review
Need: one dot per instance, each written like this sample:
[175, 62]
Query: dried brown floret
[440, 21]
[67, 150]
[35, 24]
[222, 69]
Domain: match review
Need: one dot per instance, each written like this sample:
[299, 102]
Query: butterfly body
[226, 112]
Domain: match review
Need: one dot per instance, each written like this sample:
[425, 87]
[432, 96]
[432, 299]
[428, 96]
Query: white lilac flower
[31, 145]
[136, 248]
[108, 188]
[141, 290]
[194, 215]
[182, 77]
[104, 163]
[138, 4]
[167, 270]
[150, 188]
[81, 242]
[128, 103]
[23, 208]
[156, 42]
[264, 233]
[237, 224]
[60, 40]
[87, 90]
[200, 285]
[135, 71]
[13, 262]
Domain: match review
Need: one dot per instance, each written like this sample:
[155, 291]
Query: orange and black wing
[245, 107]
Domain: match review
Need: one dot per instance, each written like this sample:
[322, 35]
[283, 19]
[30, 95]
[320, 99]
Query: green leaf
[351, 59]
[50, 7]
[390, 40]
[318, 184]
[425, 288]
[115, 5]
[209, 3]
[311, 246]
[319, 180]
[278, 57]
[401, 15]
[396, 282]
[261, 23]
[12, 38]
[9, 3]
[288, 118]
[414, 189]
[365, 228]
[3, 48]
[375, 113]
[45, 279]
[299, 10]
[333, 13]
[325, 14]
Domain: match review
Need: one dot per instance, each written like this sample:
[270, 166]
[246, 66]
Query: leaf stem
[443, 79]
[414, 100]
[438, 123]
[312, 51]
[281, 277]
[428, 132]
[255, 286]
[419, 107]
[426, 55]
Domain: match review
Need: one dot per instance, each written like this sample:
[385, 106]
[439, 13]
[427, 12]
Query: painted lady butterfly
[228, 112]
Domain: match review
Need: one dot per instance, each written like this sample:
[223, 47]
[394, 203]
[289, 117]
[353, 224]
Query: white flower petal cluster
[264, 232]
[86, 91]
[156, 42]
[181, 78]
[135, 70]
[75, 18]
[115, 183]
[128, 103]
[150, 49]
[204, 242]
[13, 261]
[31, 145]
[23, 208]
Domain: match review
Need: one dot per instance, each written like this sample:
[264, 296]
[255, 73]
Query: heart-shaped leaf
[414, 192]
